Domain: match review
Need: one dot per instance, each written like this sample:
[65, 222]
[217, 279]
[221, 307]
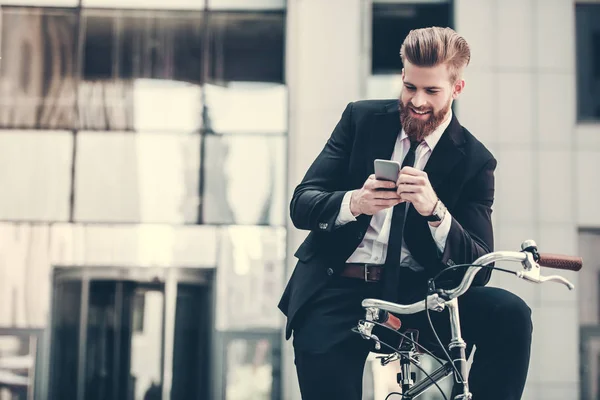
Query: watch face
[438, 212]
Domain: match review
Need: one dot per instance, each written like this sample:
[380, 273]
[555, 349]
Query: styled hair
[430, 47]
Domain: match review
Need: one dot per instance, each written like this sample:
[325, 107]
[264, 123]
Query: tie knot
[414, 144]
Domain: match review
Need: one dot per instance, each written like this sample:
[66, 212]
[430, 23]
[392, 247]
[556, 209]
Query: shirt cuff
[345, 215]
[440, 232]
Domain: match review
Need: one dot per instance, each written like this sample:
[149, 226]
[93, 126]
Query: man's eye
[432, 91]
[410, 88]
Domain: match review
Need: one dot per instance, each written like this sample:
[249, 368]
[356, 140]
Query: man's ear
[458, 88]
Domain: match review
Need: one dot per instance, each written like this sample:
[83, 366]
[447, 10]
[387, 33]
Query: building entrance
[131, 333]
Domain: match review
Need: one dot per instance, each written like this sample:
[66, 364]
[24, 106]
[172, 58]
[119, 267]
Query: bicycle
[380, 313]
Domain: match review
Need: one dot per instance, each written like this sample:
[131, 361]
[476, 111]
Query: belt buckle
[366, 266]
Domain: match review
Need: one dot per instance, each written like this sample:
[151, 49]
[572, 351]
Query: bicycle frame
[449, 298]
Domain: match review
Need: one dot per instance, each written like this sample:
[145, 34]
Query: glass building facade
[143, 161]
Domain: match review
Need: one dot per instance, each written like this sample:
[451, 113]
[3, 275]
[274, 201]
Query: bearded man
[369, 242]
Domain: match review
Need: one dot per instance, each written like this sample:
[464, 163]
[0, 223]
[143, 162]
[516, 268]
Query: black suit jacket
[460, 169]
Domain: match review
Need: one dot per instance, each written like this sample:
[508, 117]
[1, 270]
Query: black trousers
[330, 358]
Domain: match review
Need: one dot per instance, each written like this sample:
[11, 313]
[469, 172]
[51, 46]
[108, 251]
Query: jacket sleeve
[317, 199]
[471, 233]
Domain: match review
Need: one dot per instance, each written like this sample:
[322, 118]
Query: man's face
[426, 98]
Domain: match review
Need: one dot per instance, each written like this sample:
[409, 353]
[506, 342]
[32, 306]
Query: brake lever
[534, 277]
[559, 279]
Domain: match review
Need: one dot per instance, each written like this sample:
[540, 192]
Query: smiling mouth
[419, 112]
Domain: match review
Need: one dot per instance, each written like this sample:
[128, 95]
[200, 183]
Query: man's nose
[418, 100]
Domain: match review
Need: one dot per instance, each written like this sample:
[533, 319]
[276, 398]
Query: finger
[381, 204]
[380, 184]
[409, 188]
[412, 171]
[386, 195]
[411, 179]
[412, 198]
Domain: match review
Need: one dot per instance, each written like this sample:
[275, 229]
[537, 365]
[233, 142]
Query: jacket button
[323, 225]
[360, 235]
[329, 271]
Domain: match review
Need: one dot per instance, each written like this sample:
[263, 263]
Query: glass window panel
[137, 178]
[35, 169]
[588, 61]
[242, 107]
[250, 277]
[66, 313]
[121, 361]
[37, 85]
[168, 106]
[125, 245]
[137, 63]
[192, 342]
[43, 3]
[143, 44]
[246, 5]
[19, 350]
[25, 268]
[247, 47]
[249, 369]
[146, 4]
[244, 180]
[384, 86]
[391, 24]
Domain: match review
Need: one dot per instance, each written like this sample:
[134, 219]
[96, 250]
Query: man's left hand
[414, 187]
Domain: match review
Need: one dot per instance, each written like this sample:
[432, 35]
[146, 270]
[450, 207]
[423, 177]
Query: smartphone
[387, 170]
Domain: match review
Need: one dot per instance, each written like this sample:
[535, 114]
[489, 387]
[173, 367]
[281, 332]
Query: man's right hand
[371, 199]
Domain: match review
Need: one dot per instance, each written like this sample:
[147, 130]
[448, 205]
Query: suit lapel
[447, 153]
[383, 136]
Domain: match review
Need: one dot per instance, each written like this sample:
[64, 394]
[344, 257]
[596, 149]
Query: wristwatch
[439, 211]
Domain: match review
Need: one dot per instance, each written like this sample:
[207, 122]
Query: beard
[417, 129]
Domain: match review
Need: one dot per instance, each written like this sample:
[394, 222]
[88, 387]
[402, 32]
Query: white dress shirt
[373, 248]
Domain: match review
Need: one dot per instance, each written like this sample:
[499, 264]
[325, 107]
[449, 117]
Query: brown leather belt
[366, 272]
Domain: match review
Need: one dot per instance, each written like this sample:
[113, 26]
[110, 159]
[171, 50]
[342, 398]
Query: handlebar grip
[559, 261]
[388, 319]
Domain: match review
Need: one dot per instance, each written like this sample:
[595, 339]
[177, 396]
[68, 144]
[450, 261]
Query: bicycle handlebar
[530, 273]
[560, 262]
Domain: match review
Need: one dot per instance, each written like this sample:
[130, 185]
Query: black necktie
[392, 260]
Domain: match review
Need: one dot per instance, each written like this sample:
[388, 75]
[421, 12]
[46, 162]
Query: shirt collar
[434, 137]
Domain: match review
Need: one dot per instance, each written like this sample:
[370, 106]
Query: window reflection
[166, 106]
[143, 178]
[249, 370]
[588, 61]
[251, 365]
[250, 277]
[143, 44]
[66, 312]
[244, 180]
[243, 107]
[147, 342]
[146, 4]
[35, 172]
[392, 22]
[141, 71]
[18, 361]
[246, 47]
[246, 5]
[37, 87]
[384, 86]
